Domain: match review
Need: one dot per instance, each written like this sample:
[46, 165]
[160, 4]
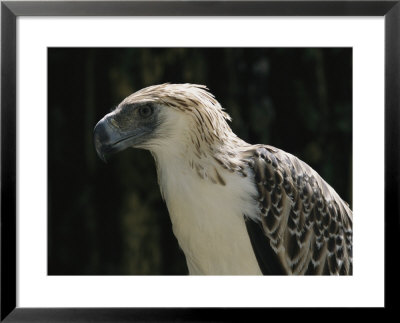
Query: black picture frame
[11, 10]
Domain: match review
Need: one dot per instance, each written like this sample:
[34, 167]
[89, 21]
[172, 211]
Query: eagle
[235, 208]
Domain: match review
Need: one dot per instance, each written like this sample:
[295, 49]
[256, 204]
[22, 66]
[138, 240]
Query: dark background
[109, 219]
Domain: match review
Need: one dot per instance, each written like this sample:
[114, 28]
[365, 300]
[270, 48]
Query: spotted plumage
[235, 208]
[304, 220]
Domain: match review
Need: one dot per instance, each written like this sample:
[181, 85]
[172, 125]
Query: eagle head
[161, 118]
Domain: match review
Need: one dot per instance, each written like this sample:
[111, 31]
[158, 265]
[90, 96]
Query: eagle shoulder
[304, 224]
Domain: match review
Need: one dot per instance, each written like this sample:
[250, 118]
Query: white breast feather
[208, 218]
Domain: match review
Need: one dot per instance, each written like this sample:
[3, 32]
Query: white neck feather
[200, 205]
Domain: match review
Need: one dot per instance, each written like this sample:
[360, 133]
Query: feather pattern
[308, 226]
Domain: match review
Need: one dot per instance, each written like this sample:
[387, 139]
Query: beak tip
[97, 136]
[104, 159]
[101, 154]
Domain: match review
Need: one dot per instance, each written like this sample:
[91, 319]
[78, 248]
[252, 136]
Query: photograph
[165, 160]
[200, 161]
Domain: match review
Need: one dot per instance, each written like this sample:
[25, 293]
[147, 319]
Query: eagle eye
[145, 111]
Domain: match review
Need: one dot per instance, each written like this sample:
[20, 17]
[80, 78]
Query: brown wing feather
[308, 226]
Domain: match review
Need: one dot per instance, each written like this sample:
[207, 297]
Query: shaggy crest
[189, 98]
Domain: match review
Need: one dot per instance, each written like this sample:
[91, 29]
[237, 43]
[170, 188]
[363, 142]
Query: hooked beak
[108, 139]
[104, 137]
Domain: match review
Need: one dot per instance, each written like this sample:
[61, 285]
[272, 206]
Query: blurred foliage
[109, 219]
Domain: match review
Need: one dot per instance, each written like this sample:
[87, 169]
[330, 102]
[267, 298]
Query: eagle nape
[236, 208]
